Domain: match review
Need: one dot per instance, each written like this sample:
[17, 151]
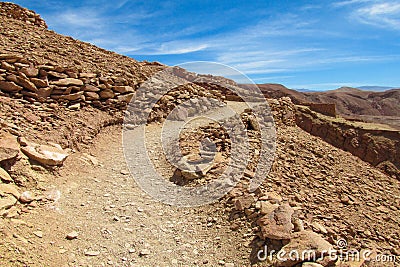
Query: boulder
[278, 224]
[9, 147]
[303, 246]
[9, 87]
[68, 82]
[45, 154]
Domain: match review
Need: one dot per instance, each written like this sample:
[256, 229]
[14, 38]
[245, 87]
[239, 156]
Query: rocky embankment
[309, 200]
[381, 148]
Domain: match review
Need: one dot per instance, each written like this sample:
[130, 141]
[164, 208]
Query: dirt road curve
[117, 223]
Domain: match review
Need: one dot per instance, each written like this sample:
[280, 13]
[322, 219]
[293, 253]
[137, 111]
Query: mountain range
[351, 102]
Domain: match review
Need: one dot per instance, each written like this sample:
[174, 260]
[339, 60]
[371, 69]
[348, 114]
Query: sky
[317, 45]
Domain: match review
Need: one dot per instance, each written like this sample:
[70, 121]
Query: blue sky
[301, 44]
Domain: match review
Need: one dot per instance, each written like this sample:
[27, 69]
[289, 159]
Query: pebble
[38, 233]
[124, 172]
[72, 235]
[26, 197]
[144, 252]
[92, 253]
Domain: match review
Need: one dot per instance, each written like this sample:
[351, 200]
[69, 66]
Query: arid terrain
[352, 103]
[68, 196]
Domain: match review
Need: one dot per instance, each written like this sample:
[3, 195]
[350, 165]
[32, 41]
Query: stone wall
[326, 109]
[70, 86]
[19, 13]
[380, 148]
[21, 78]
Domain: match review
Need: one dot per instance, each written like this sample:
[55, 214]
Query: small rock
[345, 200]
[75, 106]
[319, 228]
[5, 176]
[244, 202]
[10, 189]
[68, 82]
[124, 172]
[9, 87]
[311, 264]
[267, 207]
[7, 202]
[38, 234]
[9, 147]
[92, 253]
[26, 197]
[72, 235]
[144, 252]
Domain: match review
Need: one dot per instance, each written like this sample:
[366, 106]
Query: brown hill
[352, 103]
[274, 90]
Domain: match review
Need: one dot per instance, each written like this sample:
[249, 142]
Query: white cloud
[386, 14]
[173, 48]
[378, 13]
[350, 2]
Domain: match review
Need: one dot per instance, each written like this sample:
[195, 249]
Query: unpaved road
[117, 223]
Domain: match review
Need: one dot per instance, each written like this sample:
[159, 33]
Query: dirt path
[118, 224]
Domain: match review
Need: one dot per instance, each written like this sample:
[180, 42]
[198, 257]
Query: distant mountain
[349, 101]
[375, 88]
[305, 90]
[353, 101]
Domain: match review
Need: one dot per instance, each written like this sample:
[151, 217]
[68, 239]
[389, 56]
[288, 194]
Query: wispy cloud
[378, 13]
[350, 2]
[170, 48]
[386, 15]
